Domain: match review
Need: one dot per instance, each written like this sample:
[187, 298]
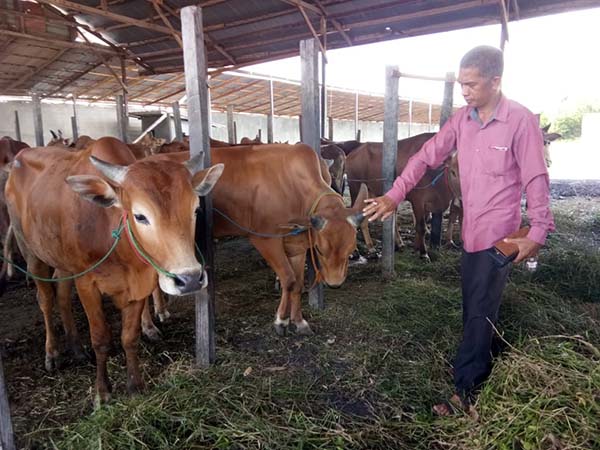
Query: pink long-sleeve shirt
[498, 160]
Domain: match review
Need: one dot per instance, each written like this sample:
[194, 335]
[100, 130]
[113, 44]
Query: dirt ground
[41, 400]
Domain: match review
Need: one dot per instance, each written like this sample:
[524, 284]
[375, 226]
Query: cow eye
[140, 218]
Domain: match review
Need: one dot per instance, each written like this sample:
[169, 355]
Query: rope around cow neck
[116, 234]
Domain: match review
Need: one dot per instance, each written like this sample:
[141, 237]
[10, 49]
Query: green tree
[569, 125]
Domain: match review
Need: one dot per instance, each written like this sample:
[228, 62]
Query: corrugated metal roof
[237, 33]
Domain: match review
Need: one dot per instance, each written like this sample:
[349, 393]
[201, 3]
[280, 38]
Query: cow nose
[189, 282]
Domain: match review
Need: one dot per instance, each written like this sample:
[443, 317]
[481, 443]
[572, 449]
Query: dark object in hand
[504, 252]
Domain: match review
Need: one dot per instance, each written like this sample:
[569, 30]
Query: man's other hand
[378, 207]
[527, 248]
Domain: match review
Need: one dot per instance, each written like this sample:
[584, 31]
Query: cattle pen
[219, 377]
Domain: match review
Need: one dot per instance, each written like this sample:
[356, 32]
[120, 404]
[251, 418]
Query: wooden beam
[310, 134]
[504, 22]
[303, 4]
[106, 63]
[233, 91]
[231, 138]
[336, 24]
[66, 4]
[52, 60]
[53, 43]
[176, 35]
[388, 168]
[74, 78]
[198, 114]
[157, 86]
[7, 439]
[164, 97]
[121, 118]
[38, 125]
[177, 122]
[312, 29]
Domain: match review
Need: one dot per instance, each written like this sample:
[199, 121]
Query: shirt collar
[500, 113]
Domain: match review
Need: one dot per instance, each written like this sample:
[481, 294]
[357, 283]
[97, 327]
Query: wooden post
[7, 440]
[436, 219]
[121, 118]
[410, 116]
[323, 116]
[388, 169]
[330, 131]
[259, 134]
[310, 132]
[231, 135]
[177, 120]
[74, 124]
[271, 115]
[356, 116]
[198, 114]
[448, 98]
[17, 127]
[235, 139]
[38, 126]
[429, 117]
[125, 94]
[300, 125]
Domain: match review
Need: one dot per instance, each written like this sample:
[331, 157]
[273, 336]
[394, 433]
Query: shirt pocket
[496, 160]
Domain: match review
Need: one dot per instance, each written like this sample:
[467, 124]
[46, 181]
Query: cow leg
[63, 296]
[100, 334]
[130, 335]
[420, 228]
[160, 305]
[364, 227]
[302, 326]
[45, 297]
[452, 217]
[397, 235]
[273, 252]
[148, 328]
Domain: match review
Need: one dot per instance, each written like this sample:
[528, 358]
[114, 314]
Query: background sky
[551, 62]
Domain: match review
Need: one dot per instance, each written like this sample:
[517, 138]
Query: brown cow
[347, 146]
[275, 189]
[431, 195]
[336, 155]
[67, 225]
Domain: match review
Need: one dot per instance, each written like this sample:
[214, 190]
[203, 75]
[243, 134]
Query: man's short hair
[489, 60]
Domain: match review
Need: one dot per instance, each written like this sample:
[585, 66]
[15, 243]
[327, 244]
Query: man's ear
[94, 189]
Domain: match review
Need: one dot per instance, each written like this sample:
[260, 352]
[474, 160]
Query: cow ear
[363, 194]
[94, 189]
[329, 162]
[318, 222]
[205, 180]
[552, 137]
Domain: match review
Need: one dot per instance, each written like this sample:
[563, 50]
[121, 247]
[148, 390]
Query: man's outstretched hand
[379, 207]
[527, 248]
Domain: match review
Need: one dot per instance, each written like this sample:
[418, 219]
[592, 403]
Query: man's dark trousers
[482, 286]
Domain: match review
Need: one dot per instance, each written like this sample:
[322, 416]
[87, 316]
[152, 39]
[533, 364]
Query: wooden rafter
[176, 34]
[157, 86]
[107, 14]
[74, 78]
[52, 60]
[336, 24]
[58, 43]
[164, 97]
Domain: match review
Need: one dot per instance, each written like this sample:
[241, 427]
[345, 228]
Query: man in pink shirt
[500, 154]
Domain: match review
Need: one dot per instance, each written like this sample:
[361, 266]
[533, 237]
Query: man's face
[477, 90]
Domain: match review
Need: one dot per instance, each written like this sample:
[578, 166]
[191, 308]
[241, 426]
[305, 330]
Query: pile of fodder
[543, 395]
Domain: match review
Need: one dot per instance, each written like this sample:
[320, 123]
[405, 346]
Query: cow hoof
[164, 316]
[79, 353]
[303, 329]
[425, 257]
[101, 398]
[51, 362]
[135, 387]
[280, 329]
[152, 333]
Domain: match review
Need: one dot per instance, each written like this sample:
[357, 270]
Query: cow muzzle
[183, 282]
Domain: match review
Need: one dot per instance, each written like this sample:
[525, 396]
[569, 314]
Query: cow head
[333, 235]
[160, 199]
[548, 138]
[58, 140]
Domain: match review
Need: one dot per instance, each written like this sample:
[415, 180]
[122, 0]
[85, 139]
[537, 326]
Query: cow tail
[6, 253]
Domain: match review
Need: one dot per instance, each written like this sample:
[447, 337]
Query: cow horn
[53, 134]
[113, 172]
[195, 164]
[355, 219]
